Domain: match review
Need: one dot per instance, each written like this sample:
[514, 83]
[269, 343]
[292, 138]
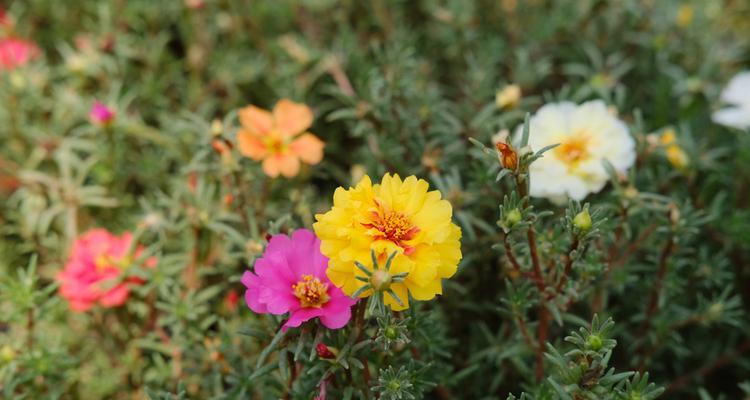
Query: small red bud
[219, 146]
[193, 181]
[324, 352]
[231, 300]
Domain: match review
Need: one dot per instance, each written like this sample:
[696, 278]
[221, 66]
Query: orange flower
[279, 138]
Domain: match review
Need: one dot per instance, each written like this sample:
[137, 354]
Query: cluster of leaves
[401, 86]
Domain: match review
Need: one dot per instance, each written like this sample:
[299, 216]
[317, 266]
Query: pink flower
[16, 52]
[97, 261]
[291, 277]
[100, 114]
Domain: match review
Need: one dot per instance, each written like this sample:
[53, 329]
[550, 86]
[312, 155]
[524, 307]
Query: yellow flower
[677, 156]
[674, 152]
[685, 15]
[395, 215]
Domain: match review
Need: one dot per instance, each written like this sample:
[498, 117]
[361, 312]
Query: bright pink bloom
[101, 114]
[16, 52]
[95, 264]
[291, 278]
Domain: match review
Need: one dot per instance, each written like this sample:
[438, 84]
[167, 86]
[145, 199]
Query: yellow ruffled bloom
[395, 215]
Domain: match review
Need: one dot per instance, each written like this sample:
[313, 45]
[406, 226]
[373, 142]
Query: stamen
[311, 292]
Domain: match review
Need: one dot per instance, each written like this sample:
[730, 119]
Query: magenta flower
[101, 114]
[291, 278]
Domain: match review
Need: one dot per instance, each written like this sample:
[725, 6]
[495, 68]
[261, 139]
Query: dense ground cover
[531, 199]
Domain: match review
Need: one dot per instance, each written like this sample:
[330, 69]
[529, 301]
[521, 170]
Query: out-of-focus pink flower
[195, 4]
[15, 52]
[96, 263]
[100, 114]
[291, 278]
[323, 390]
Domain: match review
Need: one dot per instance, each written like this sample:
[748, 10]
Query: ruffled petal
[250, 146]
[291, 118]
[297, 317]
[287, 165]
[308, 148]
[256, 120]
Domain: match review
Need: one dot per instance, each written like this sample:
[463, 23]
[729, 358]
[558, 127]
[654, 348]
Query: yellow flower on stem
[396, 216]
[279, 138]
[674, 152]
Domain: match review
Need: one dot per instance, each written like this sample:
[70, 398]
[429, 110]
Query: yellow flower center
[104, 261]
[276, 144]
[392, 226]
[573, 150]
[311, 292]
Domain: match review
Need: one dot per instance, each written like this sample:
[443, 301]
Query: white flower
[736, 94]
[587, 134]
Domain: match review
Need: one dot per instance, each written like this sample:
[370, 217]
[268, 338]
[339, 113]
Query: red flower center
[392, 226]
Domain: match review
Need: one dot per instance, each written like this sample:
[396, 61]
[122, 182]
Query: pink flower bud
[100, 114]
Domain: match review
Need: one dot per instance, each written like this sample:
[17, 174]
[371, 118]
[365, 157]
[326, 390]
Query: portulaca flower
[587, 135]
[737, 95]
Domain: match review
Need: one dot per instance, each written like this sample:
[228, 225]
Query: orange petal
[308, 148]
[256, 120]
[287, 165]
[291, 118]
[250, 146]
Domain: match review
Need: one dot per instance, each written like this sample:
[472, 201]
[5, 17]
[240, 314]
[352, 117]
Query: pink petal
[302, 315]
[252, 294]
[116, 296]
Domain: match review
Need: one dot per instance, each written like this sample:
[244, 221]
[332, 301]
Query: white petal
[737, 90]
[735, 117]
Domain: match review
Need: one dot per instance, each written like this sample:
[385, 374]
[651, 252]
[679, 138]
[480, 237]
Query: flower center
[103, 261]
[311, 292]
[392, 226]
[574, 149]
[276, 144]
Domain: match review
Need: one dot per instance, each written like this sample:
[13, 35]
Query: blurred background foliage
[396, 86]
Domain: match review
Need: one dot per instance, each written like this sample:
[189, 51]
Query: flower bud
[380, 280]
[219, 146]
[509, 97]
[582, 220]
[217, 128]
[513, 217]
[100, 114]
[507, 156]
[325, 352]
[594, 342]
[391, 333]
[7, 354]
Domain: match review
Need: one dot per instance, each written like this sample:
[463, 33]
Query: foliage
[404, 87]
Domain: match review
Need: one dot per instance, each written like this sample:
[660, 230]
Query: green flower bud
[513, 217]
[595, 342]
[391, 333]
[582, 220]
